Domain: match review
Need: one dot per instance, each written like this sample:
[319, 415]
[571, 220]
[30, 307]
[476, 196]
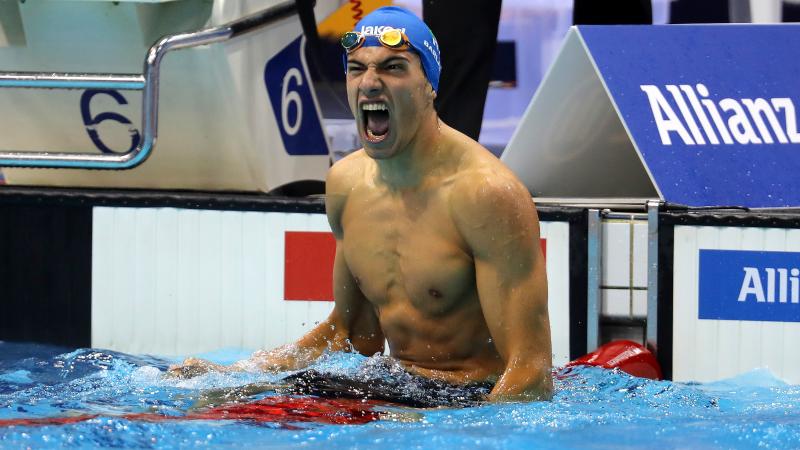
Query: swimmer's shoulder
[343, 176]
[346, 173]
[475, 158]
[488, 188]
[485, 188]
[480, 171]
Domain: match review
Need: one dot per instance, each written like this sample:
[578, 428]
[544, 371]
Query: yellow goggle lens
[392, 38]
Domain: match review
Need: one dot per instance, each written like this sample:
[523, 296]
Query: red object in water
[278, 409]
[282, 409]
[627, 356]
[46, 420]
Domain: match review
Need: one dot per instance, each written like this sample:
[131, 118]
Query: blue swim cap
[419, 35]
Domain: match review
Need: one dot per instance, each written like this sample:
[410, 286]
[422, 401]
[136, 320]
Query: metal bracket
[594, 274]
[148, 82]
[651, 333]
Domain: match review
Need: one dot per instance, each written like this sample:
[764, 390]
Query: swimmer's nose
[371, 84]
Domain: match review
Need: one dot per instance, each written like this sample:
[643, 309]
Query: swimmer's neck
[423, 156]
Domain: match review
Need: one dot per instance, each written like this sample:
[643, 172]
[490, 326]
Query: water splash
[592, 408]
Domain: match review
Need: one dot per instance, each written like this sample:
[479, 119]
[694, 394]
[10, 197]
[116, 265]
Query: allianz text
[774, 284]
[696, 119]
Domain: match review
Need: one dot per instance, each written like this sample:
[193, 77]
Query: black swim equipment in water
[409, 390]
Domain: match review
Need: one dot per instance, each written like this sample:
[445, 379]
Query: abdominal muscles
[456, 347]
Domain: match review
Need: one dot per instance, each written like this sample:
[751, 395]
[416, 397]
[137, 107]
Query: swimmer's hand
[217, 397]
[281, 359]
[193, 367]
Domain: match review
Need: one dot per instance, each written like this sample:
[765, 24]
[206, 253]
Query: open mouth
[376, 121]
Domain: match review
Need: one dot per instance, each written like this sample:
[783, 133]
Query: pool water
[592, 408]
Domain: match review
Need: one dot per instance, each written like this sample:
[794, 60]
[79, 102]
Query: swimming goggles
[391, 38]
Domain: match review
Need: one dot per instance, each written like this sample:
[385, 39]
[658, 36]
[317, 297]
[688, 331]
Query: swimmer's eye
[354, 69]
[395, 67]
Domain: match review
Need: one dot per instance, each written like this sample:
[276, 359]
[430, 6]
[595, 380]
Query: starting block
[237, 114]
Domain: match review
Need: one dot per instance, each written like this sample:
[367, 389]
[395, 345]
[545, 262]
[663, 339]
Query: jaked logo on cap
[376, 31]
[749, 285]
[699, 120]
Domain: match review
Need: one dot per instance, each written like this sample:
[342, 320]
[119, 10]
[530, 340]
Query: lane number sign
[289, 90]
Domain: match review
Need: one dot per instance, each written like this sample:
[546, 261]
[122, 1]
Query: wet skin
[437, 246]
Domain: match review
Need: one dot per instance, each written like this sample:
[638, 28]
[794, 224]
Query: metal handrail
[148, 82]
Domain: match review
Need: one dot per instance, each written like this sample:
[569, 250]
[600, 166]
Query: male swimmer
[437, 242]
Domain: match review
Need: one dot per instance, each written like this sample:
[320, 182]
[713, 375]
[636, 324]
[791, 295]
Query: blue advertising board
[749, 285]
[711, 108]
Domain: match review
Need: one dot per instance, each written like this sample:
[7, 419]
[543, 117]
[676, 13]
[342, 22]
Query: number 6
[287, 97]
[92, 122]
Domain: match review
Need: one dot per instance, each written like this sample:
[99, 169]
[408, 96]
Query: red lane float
[627, 356]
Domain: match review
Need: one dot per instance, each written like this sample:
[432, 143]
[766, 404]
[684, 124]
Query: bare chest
[406, 252]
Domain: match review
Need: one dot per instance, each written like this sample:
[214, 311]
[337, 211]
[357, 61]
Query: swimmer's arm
[292, 356]
[297, 355]
[352, 325]
[498, 220]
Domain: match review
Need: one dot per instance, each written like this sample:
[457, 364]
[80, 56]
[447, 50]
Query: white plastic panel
[624, 265]
[639, 304]
[172, 281]
[615, 303]
[616, 253]
[619, 259]
[556, 235]
[705, 350]
[640, 254]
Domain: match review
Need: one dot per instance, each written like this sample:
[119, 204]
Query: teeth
[374, 107]
[374, 137]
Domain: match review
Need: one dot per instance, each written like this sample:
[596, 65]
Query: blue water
[592, 408]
